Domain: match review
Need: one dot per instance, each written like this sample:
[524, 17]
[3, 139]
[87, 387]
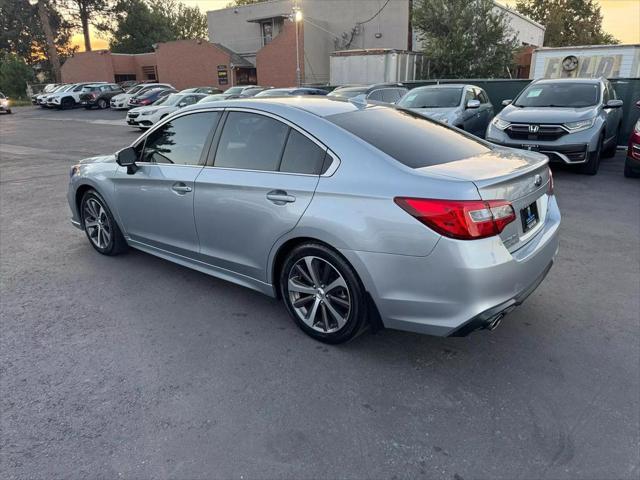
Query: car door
[612, 114]
[486, 111]
[256, 186]
[470, 116]
[155, 203]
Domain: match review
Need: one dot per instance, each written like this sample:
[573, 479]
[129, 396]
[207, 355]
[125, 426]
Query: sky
[620, 18]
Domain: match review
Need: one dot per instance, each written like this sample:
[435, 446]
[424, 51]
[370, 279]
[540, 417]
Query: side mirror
[614, 104]
[182, 104]
[127, 158]
[506, 102]
[473, 104]
[638, 104]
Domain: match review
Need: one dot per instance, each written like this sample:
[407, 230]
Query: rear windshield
[432, 98]
[408, 137]
[561, 94]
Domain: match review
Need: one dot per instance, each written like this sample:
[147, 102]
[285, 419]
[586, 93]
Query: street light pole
[297, 15]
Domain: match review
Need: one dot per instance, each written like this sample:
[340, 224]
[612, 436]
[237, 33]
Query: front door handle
[280, 197]
[180, 188]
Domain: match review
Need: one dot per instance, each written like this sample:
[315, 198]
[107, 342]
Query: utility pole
[297, 17]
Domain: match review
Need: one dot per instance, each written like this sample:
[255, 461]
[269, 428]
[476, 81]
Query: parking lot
[138, 368]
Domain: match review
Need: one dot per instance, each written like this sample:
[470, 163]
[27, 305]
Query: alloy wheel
[97, 223]
[319, 294]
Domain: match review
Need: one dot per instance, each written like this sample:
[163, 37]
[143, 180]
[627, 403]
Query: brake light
[460, 219]
[550, 185]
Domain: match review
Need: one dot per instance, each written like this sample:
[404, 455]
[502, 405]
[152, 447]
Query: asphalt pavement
[134, 367]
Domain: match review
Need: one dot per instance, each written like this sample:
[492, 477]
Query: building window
[149, 73]
[269, 29]
[123, 77]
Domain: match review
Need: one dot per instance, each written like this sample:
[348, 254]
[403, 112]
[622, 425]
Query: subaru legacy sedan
[355, 215]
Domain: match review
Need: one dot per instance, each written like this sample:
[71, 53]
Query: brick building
[183, 63]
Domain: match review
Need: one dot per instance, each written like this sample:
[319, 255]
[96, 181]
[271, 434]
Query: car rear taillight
[94, 95]
[144, 102]
[550, 185]
[460, 219]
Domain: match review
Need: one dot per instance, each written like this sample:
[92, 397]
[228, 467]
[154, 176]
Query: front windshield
[234, 90]
[135, 89]
[561, 94]
[213, 98]
[431, 98]
[274, 92]
[347, 92]
[168, 100]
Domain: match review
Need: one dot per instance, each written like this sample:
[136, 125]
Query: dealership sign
[607, 66]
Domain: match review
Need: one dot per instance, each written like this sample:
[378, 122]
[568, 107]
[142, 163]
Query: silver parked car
[466, 107]
[574, 121]
[354, 215]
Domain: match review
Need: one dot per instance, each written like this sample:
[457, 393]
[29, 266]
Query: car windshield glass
[234, 90]
[135, 89]
[432, 98]
[409, 138]
[89, 89]
[347, 92]
[559, 94]
[213, 98]
[169, 100]
[274, 92]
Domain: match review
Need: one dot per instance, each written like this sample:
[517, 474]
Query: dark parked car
[379, 92]
[150, 96]
[99, 95]
[632, 163]
[290, 92]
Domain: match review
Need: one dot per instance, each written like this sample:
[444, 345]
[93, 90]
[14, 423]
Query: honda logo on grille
[534, 128]
[537, 180]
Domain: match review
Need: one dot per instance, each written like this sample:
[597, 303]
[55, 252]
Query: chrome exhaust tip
[494, 321]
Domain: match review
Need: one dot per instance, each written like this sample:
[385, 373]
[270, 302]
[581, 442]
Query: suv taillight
[460, 219]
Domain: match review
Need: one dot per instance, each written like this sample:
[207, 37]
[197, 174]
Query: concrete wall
[190, 63]
[276, 63]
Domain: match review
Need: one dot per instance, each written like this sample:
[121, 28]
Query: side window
[251, 141]
[469, 95]
[607, 93]
[390, 95]
[180, 142]
[376, 95]
[301, 155]
[78, 88]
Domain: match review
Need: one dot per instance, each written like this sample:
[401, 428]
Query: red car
[632, 163]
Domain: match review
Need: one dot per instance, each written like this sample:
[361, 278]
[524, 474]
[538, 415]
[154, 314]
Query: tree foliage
[464, 38]
[14, 75]
[139, 24]
[86, 13]
[21, 33]
[567, 22]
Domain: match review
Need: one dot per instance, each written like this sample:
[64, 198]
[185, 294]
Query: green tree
[567, 22]
[22, 33]
[464, 38]
[14, 75]
[86, 13]
[139, 24]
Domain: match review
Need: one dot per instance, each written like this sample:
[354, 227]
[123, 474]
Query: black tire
[116, 244]
[629, 172]
[102, 104]
[9, 111]
[593, 164]
[88, 107]
[610, 151]
[356, 315]
[66, 103]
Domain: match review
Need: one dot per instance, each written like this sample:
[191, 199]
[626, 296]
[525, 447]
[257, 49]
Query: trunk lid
[518, 176]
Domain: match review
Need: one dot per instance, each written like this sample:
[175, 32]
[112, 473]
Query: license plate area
[529, 217]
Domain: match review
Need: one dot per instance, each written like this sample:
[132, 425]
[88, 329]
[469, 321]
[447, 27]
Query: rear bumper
[460, 285]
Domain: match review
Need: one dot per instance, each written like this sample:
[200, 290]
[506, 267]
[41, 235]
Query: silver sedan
[356, 216]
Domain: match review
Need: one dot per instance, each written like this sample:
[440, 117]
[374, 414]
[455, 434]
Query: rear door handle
[181, 188]
[280, 197]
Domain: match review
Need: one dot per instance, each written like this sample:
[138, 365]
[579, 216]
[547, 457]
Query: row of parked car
[572, 121]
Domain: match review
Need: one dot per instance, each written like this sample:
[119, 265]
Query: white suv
[145, 117]
[122, 101]
[68, 98]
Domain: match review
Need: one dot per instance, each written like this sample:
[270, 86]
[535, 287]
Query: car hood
[121, 96]
[553, 115]
[99, 159]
